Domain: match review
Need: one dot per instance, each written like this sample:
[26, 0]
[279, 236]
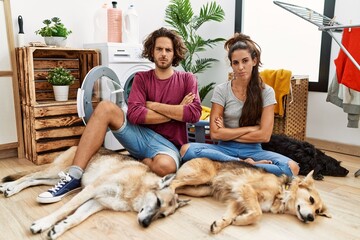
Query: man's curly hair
[178, 45]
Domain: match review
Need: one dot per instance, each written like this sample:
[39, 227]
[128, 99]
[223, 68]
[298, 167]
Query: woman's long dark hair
[253, 106]
[178, 45]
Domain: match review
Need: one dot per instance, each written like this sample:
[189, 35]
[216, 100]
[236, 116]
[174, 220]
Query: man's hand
[189, 98]
[150, 104]
[161, 112]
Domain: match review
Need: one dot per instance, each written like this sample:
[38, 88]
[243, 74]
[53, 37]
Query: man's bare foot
[252, 162]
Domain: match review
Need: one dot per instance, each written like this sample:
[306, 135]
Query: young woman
[242, 114]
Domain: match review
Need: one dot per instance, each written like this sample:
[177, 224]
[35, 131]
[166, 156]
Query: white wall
[325, 121]
[8, 133]
[79, 16]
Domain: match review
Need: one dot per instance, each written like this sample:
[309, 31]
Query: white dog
[110, 181]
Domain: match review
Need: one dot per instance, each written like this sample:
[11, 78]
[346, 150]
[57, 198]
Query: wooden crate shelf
[50, 127]
[34, 64]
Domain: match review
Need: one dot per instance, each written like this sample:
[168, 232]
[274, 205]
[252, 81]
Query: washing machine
[111, 80]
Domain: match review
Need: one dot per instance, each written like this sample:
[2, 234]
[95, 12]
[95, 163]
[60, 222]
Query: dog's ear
[308, 180]
[182, 202]
[166, 180]
[324, 212]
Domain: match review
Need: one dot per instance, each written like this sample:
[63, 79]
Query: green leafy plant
[179, 14]
[60, 77]
[53, 28]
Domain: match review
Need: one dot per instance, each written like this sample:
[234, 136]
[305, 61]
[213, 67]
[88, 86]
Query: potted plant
[179, 14]
[54, 32]
[61, 79]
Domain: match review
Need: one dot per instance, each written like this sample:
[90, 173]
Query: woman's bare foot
[252, 162]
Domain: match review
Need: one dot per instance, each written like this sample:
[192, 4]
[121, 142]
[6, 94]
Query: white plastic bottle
[131, 26]
[100, 25]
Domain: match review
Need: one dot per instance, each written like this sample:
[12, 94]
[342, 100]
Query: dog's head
[330, 166]
[160, 202]
[305, 200]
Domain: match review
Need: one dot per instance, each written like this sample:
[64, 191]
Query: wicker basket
[292, 124]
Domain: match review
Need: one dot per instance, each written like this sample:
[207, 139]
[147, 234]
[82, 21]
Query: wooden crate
[50, 127]
[34, 64]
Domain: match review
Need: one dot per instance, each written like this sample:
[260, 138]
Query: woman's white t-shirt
[224, 96]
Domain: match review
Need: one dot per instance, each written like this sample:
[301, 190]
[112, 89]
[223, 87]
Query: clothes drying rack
[324, 23]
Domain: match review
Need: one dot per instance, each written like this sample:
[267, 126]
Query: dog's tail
[61, 162]
[16, 176]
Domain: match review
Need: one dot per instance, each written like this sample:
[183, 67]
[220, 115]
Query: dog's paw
[213, 228]
[53, 234]
[318, 177]
[40, 226]
[217, 226]
[57, 230]
[2, 187]
[8, 189]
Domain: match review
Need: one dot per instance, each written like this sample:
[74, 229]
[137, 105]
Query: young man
[160, 104]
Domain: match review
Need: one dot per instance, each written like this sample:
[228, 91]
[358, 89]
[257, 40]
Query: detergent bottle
[131, 26]
[101, 24]
[114, 17]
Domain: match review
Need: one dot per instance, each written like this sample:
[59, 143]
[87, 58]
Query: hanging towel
[347, 99]
[347, 73]
[279, 80]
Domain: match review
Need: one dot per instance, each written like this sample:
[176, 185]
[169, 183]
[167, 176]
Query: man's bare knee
[163, 165]
[294, 167]
[109, 112]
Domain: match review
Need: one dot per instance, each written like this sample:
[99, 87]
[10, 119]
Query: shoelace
[64, 178]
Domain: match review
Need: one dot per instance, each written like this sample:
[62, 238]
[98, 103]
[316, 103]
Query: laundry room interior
[325, 121]
[36, 128]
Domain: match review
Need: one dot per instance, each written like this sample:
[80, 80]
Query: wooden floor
[342, 196]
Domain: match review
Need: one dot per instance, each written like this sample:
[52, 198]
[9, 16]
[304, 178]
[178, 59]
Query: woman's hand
[219, 121]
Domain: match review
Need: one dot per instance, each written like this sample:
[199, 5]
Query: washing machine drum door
[101, 83]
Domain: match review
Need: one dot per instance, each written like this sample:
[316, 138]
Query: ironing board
[109, 88]
[324, 23]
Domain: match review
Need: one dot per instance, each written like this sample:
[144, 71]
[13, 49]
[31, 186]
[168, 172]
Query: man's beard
[162, 65]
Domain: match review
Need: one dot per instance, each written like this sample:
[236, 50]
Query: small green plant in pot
[61, 79]
[54, 32]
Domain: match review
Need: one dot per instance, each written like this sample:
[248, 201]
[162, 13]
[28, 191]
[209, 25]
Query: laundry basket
[292, 123]
[199, 132]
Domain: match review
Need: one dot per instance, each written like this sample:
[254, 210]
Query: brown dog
[248, 191]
